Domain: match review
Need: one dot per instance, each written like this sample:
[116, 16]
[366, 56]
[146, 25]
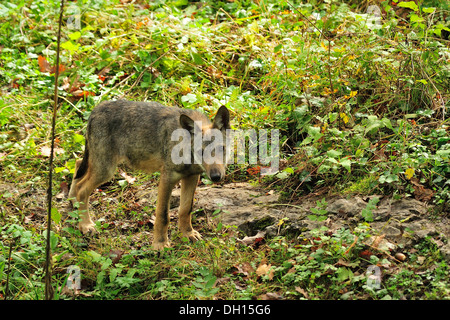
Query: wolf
[140, 134]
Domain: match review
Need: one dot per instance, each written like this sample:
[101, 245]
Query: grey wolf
[139, 134]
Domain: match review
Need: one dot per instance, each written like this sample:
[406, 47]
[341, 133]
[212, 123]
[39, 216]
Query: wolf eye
[220, 150]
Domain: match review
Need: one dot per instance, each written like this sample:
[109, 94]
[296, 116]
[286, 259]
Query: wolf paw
[160, 245]
[87, 227]
[192, 235]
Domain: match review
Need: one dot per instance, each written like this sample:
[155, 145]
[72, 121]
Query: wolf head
[208, 142]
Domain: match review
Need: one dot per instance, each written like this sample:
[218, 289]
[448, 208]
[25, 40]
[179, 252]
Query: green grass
[359, 109]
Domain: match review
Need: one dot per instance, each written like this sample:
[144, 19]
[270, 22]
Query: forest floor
[254, 245]
[359, 94]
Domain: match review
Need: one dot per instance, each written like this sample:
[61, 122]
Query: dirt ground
[253, 209]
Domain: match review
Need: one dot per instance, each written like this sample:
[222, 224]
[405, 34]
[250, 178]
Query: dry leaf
[44, 66]
[271, 296]
[265, 269]
[420, 192]
[244, 269]
[45, 151]
[377, 240]
[115, 255]
[251, 240]
[302, 291]
[129, 179]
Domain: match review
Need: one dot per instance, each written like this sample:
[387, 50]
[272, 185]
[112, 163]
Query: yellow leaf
[409, 173]
[353, 93]
[324, 46]
[344, 117]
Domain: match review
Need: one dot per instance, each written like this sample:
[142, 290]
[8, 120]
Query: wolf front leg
[160, 238]
[188, 186]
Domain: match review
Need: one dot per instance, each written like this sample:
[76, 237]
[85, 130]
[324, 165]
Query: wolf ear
[187, 123]
[222, 119]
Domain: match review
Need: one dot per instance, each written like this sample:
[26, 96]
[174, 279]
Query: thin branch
[48, 276]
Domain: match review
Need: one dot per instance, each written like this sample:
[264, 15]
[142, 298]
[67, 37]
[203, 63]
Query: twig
[9, 269]
[48, 284]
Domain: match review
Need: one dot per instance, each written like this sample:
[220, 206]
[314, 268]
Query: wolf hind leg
[82, 188]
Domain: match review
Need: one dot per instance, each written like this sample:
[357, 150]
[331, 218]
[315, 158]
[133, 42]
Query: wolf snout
[215, 175]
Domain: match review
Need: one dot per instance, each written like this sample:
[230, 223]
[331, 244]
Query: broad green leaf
[78, 138]
[56, 216]
[408, 4]
[428, 10]
[387, 123]
[68, 45]
[190, 98]
[197, 58]
[346, 163]
[277, 48]
[415, 18]
[75, 36]
[334, 153]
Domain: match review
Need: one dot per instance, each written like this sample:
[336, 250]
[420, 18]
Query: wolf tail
[82, 169]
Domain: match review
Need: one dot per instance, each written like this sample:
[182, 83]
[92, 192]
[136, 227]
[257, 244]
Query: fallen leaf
[45, 151]
[64, 191]
[271, 296]
[244, 269]
[254, 170]
[115, 256]
[377, 240]
[254, 239]
[302, 291]
[420, 192]
[365, 254]
[82, 93]
[129, 179]
[265, 269]
[44, 66]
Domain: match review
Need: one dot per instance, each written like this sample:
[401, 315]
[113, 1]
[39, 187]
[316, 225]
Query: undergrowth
[361, 104]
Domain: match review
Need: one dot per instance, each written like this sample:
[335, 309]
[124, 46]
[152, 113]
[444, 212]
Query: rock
[400, 222]
[445, 250]
[392, 232]
[345, 208]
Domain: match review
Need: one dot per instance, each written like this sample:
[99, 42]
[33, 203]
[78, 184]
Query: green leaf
[334, 153]
[56, 216]
[68, 45]
[75, 36]
[344, 274]
[53, 240]
[78, 138]
[408, 4]
[429, 10]
[278, 48]
[415, 18]
[346, 163]
[387, 123]
[197, 58]
[422, 81]
[190, 98]
[314, 134]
